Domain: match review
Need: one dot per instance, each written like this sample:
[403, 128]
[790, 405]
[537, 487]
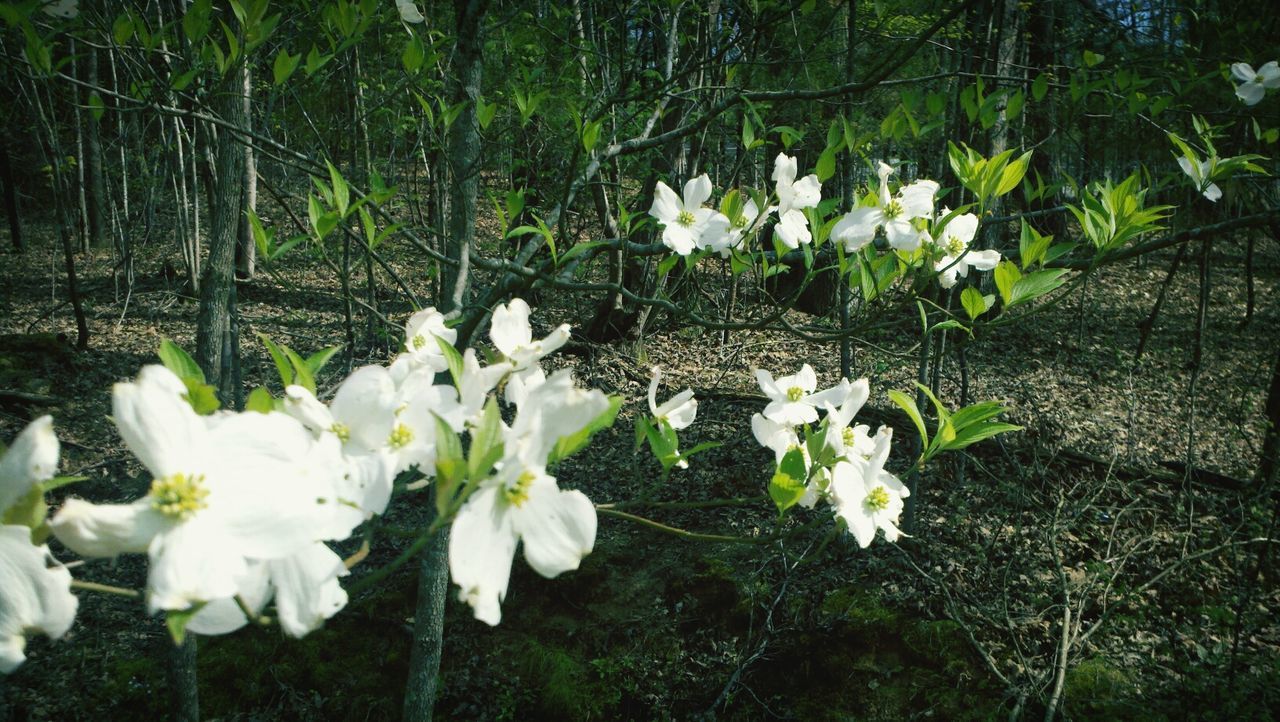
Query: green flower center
[418, 342]
[795, 393]
[342, 431]
[179, 496]
[400, 437]
[878, 499]
[519, 493]
[893, 210]
[954, 246]
[685, 219]
[740, 221]
[848, 437]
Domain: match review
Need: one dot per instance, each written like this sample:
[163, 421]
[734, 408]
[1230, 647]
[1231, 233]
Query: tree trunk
[246, 250]
[11, 199]
[213, 324]
[424, 664]
[184, 689]
[464, 152]
[95, 180]
[1269, 463]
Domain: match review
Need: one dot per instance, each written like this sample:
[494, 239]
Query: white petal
[807, 379]
[666, 204]
[793, 229]
[696, 192]
[32, 458]
[1250, 92]
[679, 239]
[858, 227]
[509, 327]
[365, 403]
[808, 192]
[949, 269]
[1192, 171]
[964, 227]
[156, 423]
[192, 562]
[223, 616]
[917, 199]
[482, 544]
[902, 235]
[679, 410]
[1213, 192]
[33, 596]
[558, 528]
[1243, 72]
[302, 405]
[107, 530]
[791, 413]
[307, 589]
[1269, 75]
[983, 260]
[409, 12]
[784, 169]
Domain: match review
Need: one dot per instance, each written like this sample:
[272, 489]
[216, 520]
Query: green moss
[1096, 690]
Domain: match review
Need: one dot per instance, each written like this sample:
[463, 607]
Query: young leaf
[908, 404]
[180, 362]
[1006, 274]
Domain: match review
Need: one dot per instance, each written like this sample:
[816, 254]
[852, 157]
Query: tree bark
[95, 180]
[428, 638]
[184, 689]
[464, 151]
[1269, 462]
[11, 199]
[246, 251]
[213, 324]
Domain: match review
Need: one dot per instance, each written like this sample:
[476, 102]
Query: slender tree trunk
[1269, 462]
[428, 639]
[464, 151]
[246, 250]
[11, 199]
[95, 181]
[184, 689]
[213, 323]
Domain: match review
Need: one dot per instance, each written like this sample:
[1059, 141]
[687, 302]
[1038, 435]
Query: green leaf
[317, 360]
[908, 404]
[202, 397]
[453, 358]
[284, 66]
[1036, 284]
[96, 107]
[451, 467]
[1040, 87]
[341, 192]
[179, 362]
[1091, 58]
[485, 113]
[591, 134]
[1006, 274]
[281, 361]
[29, 511]
[302, 373]
[978, 432]
[974, 303]
[413, 55]
[260, 401]
[486, 442]
[1031, 245]
[569, 445]
[1013, 108]
[787, 486]
[177, 620]
[315, 61]
[826, 164]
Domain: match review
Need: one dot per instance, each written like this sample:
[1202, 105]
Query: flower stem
[105, 588]
[683, 533]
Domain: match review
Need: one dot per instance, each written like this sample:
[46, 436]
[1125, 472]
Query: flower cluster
[241, 507]
[831, 460]
[906, 218]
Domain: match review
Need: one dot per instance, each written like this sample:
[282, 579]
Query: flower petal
[307, 588]
[32, 458]
[666, 204]
[223, 616]
[1250, 92]
[482, 544]
[858, 227]
[1243, 72]
[696, 192]
[33, 596]
[107, 530]
[157, 423]
[558, 528]
[193, 562]
[509, 327]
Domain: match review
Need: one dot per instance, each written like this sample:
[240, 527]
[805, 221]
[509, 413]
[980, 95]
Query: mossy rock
[1094, 689]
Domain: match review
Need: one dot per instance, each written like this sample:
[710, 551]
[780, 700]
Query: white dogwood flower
[793, 197]
[954, 239]
[683, 220]
[865, 495]
[32, 458]
[790, 397]
[1253, 85]
[35, 595]
[1201, 174]
[894, 213]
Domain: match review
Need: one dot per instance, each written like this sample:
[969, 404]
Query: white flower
[32, 458]
[954, 241]
[723, 234]
[842, 403]
[1254, 85]
[413, 440]
[409, 11]
[683, 221]
[790, 397]
[34, 596]
[62, 8]
[477, 382]
[511, 334]
[1201, 175]
[225, 489]
[858, 227]
[865, 495]
[793, 196]
[679, 411]
[522, 503]
[420, 347]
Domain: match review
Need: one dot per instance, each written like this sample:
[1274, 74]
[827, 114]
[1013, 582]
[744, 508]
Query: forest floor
[1173, 602]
